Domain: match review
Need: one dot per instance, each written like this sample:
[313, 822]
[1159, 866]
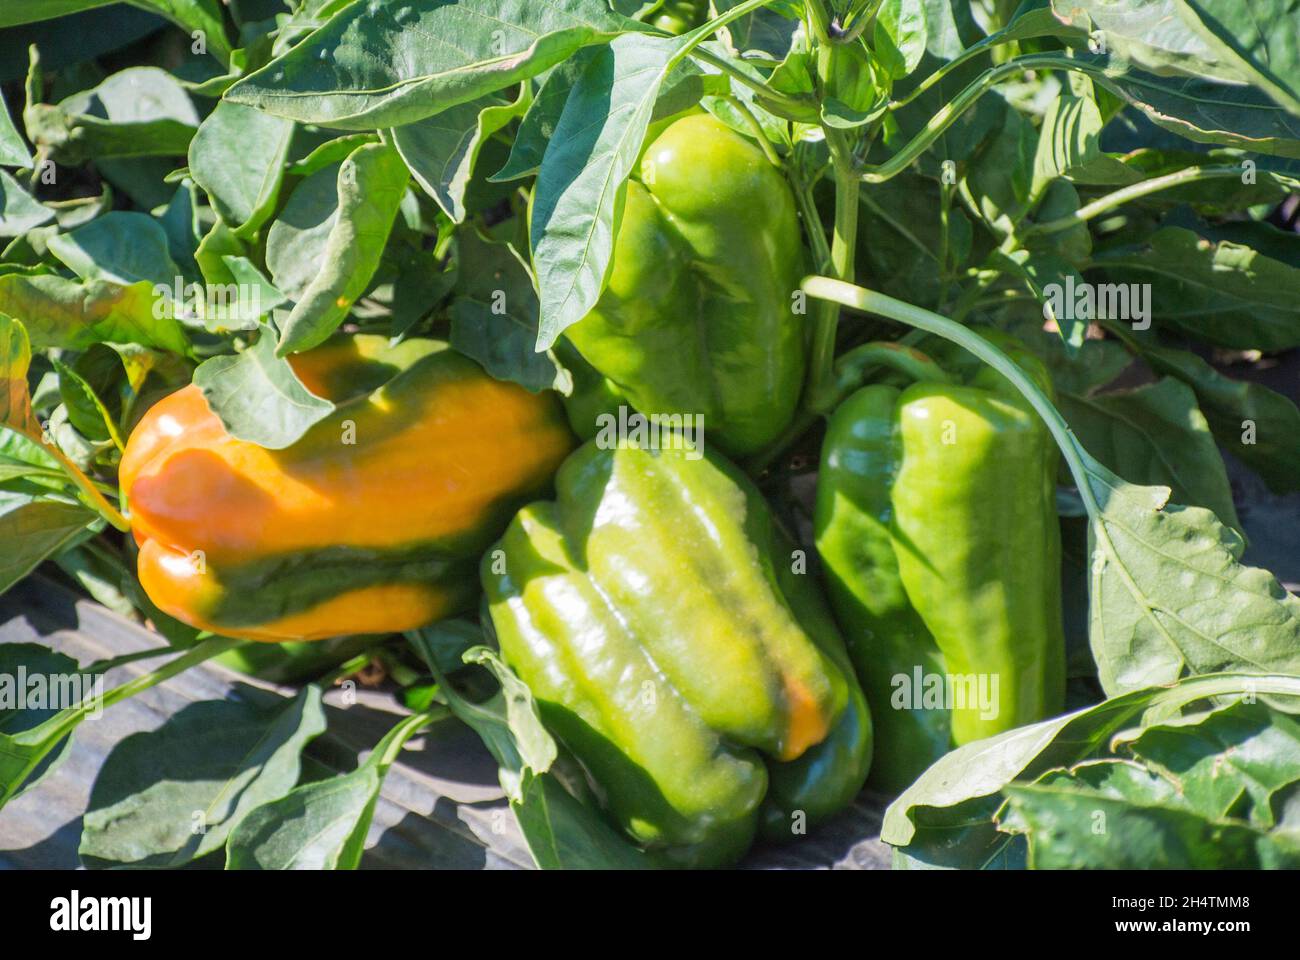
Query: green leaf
[946, 818]
[543, 115]
[170, 795]
[376, 65]
[1258, 425]
[120, 247]
[35, 524]
[901, 33]
[238, 157]
[1001, 175]
[342, 251]
[494, 316]
[13, 151]
[318, 826]
[1226, 40]
[19, 210]
[217, 244]
[1050, 278]
[15, 395]
[75, 314]
[1068, 146]
[329, 154]
[180, 221]
[1071, 825]
[321, 825]
[1223, 292]
[34, 529]
[86, 411]
[22, 752]
[583, 174]
[1244, 754]
[1155, 434]
[1198, 108]
[19, 715]
[1169, 596]
[563, 834]
[441, 150]
[258, 397]
[561, 831]
[136, 112]
[202, 15]
[1257, 39]
[1151, 34]
[262, 292]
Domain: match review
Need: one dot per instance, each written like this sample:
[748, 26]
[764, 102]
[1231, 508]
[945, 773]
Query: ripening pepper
[699, 314]
[372, 522]
[655, 613]
[935, 520]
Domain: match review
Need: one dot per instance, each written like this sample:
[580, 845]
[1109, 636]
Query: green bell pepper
[699, 314]
[678, 16]
[935, 520]
[655, 614]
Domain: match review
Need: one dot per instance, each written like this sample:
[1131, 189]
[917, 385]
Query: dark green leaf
[73, 314]
[583, 173]
[33, 529]
[120, 247]
[1258, 425]
[238, 156]
[1169, 597]
[375, 65]
[494, 317]
[13, 152]
[258, 397]
[19, 210]
[171, 795]
[441, 150]
[1155, 434]
[336, 252]
[136, 112]
[1224, 292]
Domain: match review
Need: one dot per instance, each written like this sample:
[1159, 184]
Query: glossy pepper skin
[702, 685]
[678, 16]
[936, 523]
[698, 316]
[372, 522]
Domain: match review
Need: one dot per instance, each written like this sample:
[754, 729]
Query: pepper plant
[196, 196]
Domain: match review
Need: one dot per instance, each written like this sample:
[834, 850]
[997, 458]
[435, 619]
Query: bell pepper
[936, 524]
[371, 522]
[654, 612]
[699, 314]
[678, 16]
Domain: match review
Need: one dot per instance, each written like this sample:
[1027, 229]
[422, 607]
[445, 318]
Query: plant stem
[755, 128]
[902, 358]
[390, 747]
[950, 112]
[803, 194]
[819, 21]
[1132, 192]
[870, 301]
[822, 395]
[782, 104]
[970, 53]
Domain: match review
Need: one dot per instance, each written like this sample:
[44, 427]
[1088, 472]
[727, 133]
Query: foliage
[1112, 182]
